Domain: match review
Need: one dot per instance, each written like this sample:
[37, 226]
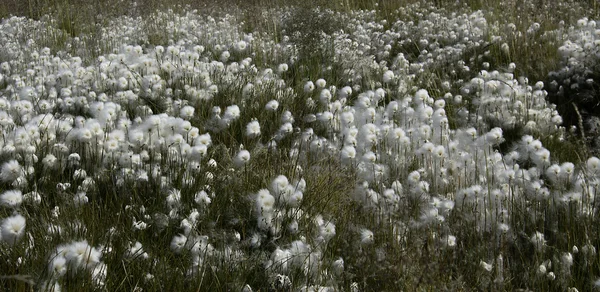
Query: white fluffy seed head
[10, 171]
[320, 83]
[265, 202]
[253, 129]
[242, 158]
[11, 199]
[309, 87]
[272, 105]
[366, 236]
[13, 229]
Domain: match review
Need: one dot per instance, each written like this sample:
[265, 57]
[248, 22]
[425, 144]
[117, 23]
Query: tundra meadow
[291, 146]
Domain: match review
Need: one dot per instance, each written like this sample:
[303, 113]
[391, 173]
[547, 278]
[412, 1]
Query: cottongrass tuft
[309, 86]
[202, 198]
[366, 236]
[538, 241]
[253, 129]
[11, 199]
[81, 256]
[58, 266]
[10, 171]
[272, 105]
[13, 229]
[450, 241]
[596, 284]
[485, 266]
[242, 158]
[381, 152]
[178, 243]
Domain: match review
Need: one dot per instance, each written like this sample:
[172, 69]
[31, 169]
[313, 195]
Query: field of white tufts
[301, 149]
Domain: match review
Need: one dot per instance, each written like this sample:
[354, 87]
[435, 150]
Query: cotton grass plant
[337, 148]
